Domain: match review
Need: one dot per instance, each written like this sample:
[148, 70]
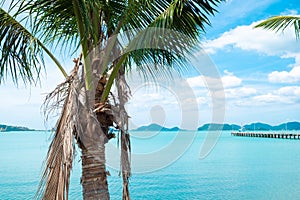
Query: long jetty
[268, 135]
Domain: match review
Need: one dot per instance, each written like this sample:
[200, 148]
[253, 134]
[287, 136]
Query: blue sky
[260, 71]
[267, 64]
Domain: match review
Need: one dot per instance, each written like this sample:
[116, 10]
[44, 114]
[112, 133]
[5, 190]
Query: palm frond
[280, 23]
[185, 19]
[158, 51]
[53, 22]
[188, 17]
[56, 177]
[20, 52]
[122, 121]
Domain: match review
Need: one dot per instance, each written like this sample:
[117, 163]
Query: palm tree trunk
[94, 178]
[94, 175]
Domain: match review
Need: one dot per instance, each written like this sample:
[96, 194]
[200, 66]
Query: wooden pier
[295, 136]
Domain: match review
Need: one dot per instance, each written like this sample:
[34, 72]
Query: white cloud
[289, 91]
[289, 12]
[197, 81]
[236, 93]
[228, 80]
[292, 76]
[282, 96]
[267, 98]
[248, 38]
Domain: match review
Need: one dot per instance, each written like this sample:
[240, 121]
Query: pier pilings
[295, 136]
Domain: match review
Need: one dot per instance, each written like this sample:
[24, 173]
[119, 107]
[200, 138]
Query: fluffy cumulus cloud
[293, 91]
[282, 96]
[197, 81]
[228, 80]
[292, 76]
[233, 89]
[268, 98]
[248, 38]
[241, 92]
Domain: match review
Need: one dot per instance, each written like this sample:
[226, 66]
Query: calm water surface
[237, 168]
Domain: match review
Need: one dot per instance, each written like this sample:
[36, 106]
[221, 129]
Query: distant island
[227, 127]
[6, 128]
[156, 127]
[252, 127]
[210, 126]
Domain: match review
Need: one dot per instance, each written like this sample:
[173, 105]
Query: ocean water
[237, 168]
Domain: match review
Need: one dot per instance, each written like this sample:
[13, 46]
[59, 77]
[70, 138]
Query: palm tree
[280, 23]
[153, 32]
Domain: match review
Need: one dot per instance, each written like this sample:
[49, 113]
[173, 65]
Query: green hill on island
[6, 128]
[252, 127]
[226, 127]
[156, 127]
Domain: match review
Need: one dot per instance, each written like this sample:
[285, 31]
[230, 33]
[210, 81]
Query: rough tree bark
[94, 180]
[94, 174]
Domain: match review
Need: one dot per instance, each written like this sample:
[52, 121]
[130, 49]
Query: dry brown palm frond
[121, 118]
[56, 177]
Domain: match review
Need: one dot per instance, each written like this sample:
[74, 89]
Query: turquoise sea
[237, 168]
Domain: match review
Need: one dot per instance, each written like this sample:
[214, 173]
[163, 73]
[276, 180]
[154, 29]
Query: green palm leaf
[280, 23]
[54, 22]
[21, 53]
[186, 17]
